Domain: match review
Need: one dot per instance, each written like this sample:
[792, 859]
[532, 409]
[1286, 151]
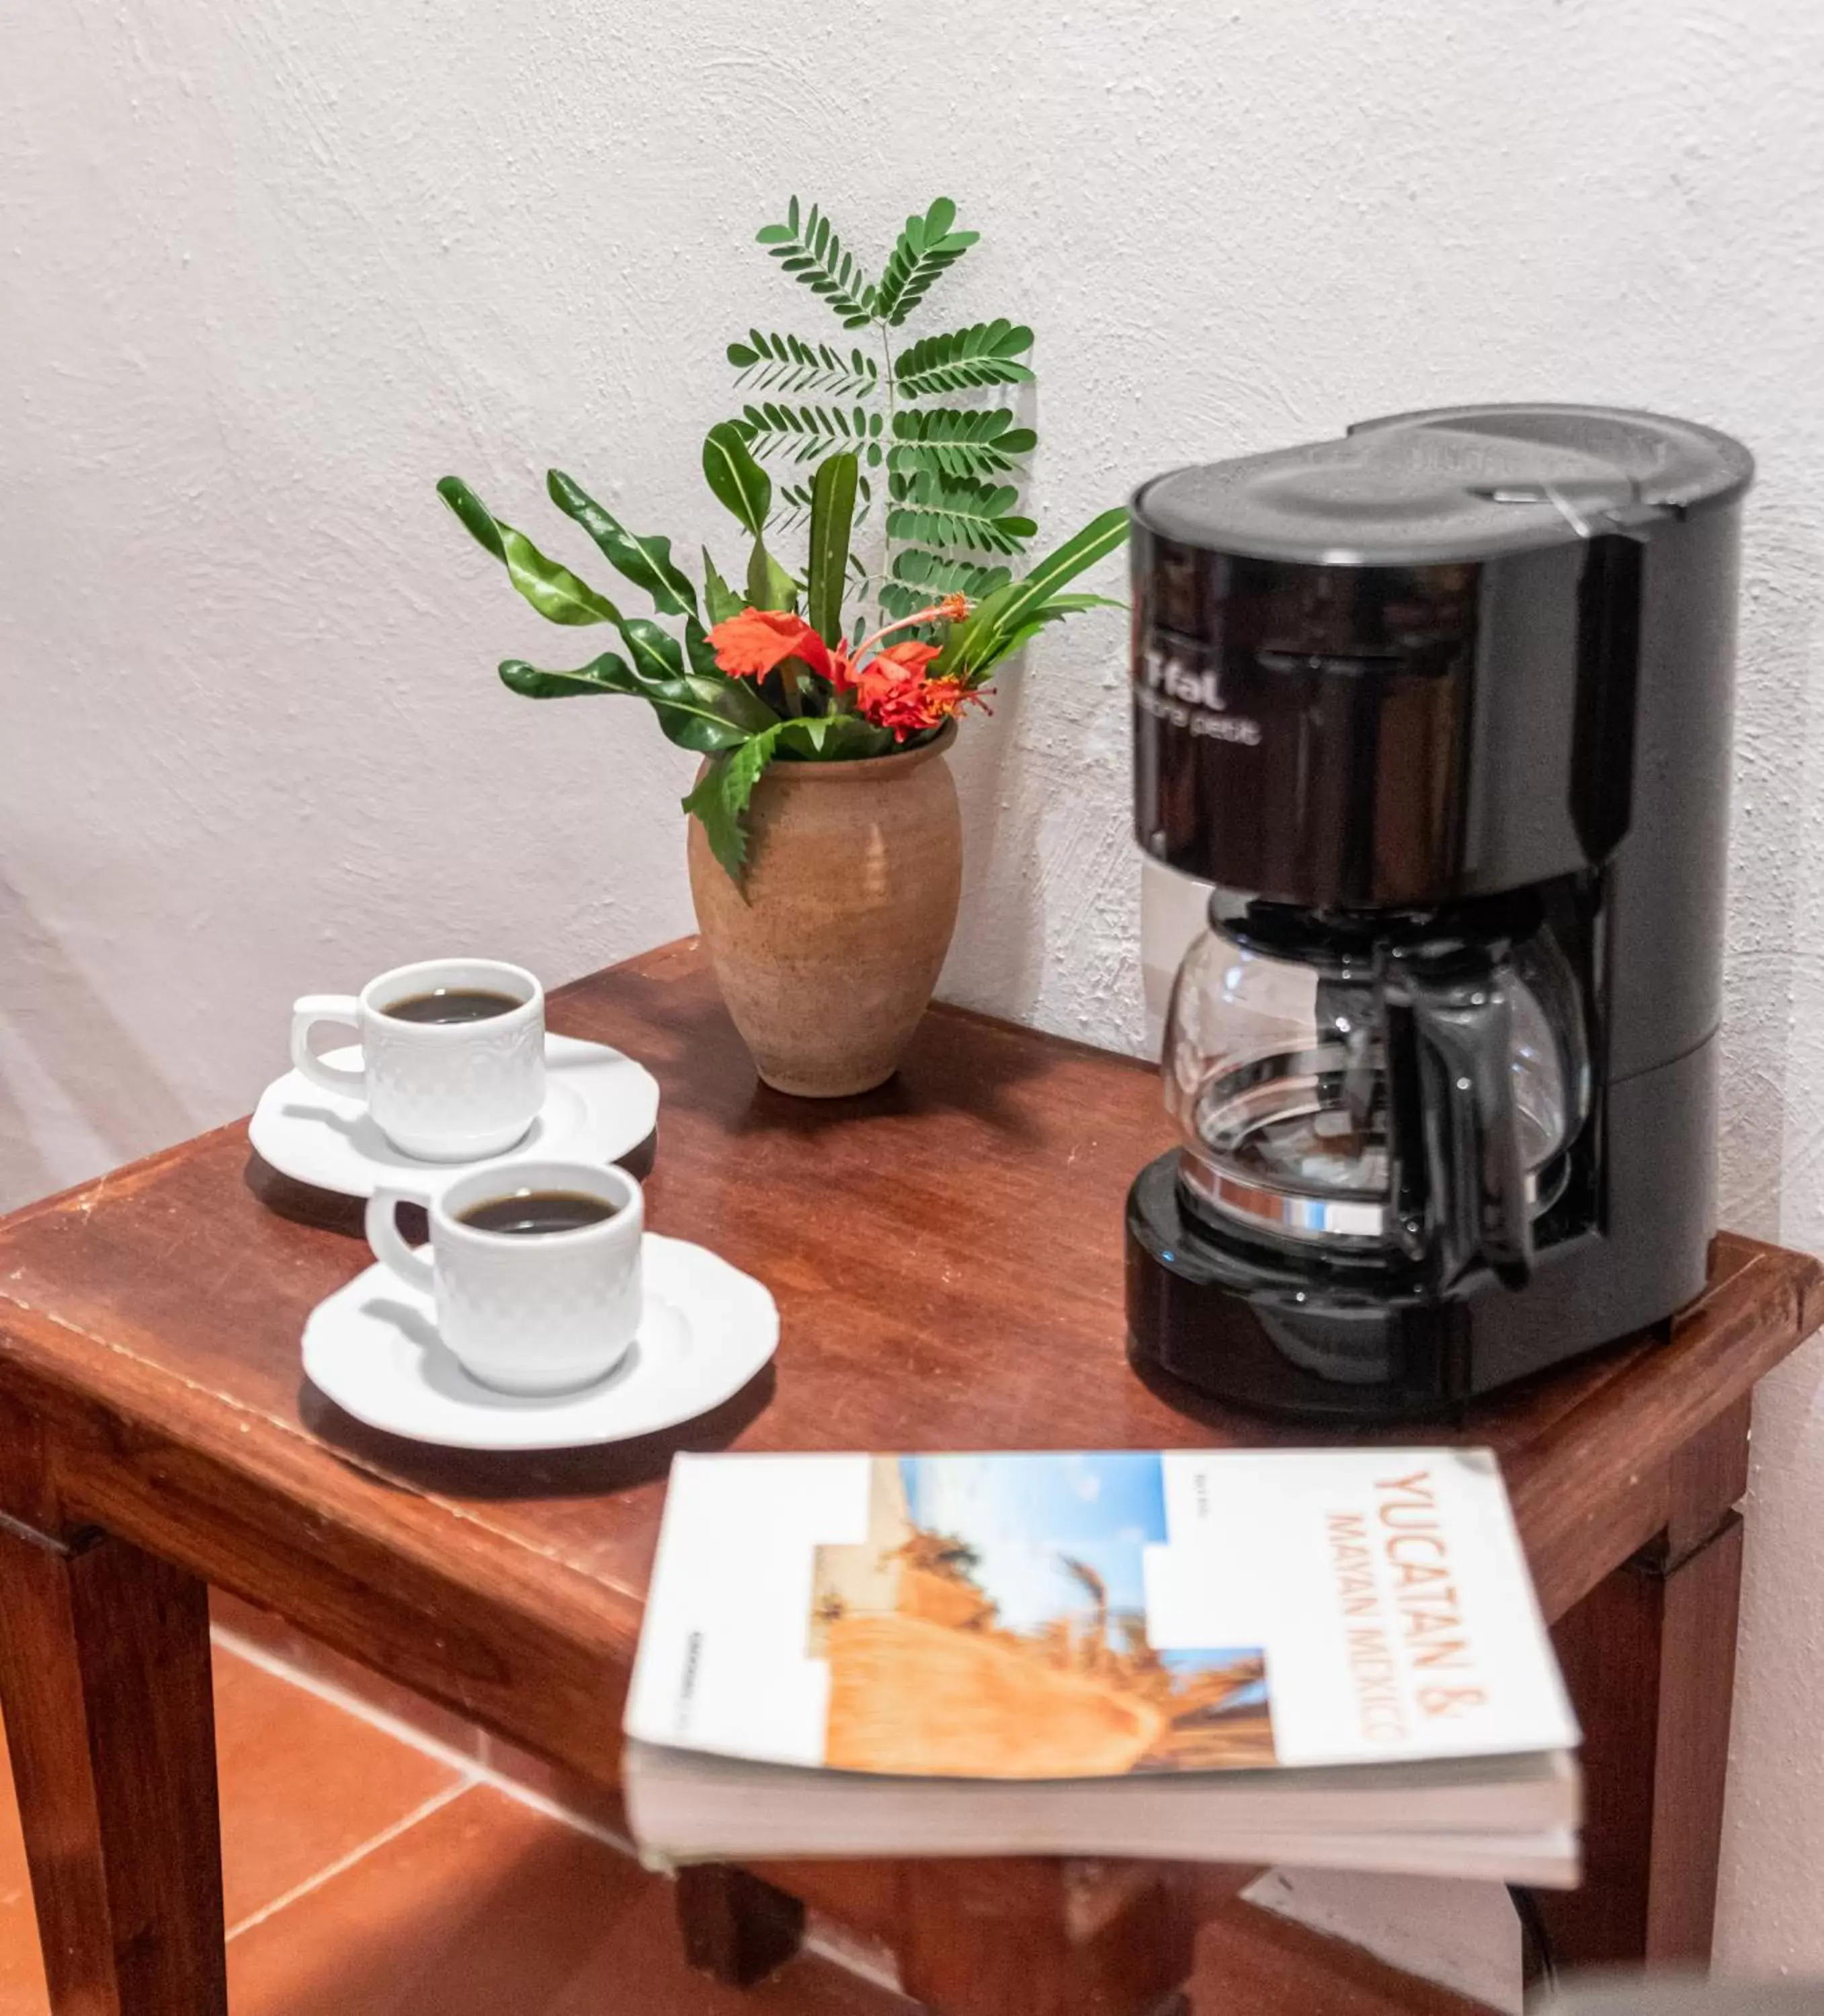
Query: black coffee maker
[1442, 708]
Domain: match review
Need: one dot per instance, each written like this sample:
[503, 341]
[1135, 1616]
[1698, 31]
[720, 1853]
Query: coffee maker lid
[1460, 483]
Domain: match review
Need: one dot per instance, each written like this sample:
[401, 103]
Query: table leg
[1650, 1657]
[105, 1686]
[736, 1929]
[1032, 1937]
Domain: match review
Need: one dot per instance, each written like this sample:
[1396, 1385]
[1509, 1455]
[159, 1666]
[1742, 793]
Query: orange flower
[892, 691]
[895, 664]
[886, 688]
[749, 646]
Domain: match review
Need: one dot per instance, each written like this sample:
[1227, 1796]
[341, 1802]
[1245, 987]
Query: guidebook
[1330, 1657]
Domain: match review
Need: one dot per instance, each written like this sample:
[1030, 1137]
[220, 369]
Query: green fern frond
[807, 433]
[791, 506]
[774, 363]
[923, 249]
[809, 251]
[934, 574]
[982, 355]
[957, 511]
[958, 442]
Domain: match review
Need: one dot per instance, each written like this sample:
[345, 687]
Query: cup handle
[305, 1015]
[410, 1263]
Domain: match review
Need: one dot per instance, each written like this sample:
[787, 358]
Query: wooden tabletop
[946, 1253]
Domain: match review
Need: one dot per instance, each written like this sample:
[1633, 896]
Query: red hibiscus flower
[749, 646]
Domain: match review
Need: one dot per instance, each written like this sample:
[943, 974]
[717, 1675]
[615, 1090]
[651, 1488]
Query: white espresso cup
[525, 1311]
[444, 1092]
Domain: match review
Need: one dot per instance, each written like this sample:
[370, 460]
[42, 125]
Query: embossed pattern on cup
[542, 1314]
[443, 1092]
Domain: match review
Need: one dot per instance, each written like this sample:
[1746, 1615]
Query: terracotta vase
[828, 951]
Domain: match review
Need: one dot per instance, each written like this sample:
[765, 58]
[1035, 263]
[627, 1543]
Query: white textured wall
[270, 268]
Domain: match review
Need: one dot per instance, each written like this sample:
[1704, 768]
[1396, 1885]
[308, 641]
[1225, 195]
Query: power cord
[1540, 1963]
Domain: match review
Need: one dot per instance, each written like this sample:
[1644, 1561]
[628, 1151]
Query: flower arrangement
[830, 658]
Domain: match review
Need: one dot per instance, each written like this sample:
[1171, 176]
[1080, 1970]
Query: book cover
[1094, 1614]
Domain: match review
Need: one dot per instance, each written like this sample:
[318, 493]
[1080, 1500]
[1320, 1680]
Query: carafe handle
[1462, 1032]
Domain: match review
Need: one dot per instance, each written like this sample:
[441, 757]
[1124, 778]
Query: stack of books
[1324, 1657]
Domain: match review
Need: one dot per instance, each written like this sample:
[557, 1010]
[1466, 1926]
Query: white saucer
[373, 1347]
[598, 1104]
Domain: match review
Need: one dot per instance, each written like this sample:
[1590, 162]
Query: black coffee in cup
[532, 1213]
[452, 1004]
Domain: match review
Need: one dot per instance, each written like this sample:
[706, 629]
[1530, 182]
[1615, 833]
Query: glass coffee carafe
[1403, 1090]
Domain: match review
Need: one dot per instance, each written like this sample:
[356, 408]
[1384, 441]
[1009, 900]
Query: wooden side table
[946, 1256]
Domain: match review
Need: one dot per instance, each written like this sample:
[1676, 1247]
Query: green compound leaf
[645, 562]
[958, 440]
[984, 354]
[920, 577]
[807, 433]
[925, 248]
[552, 589]
[774, 363]
[958, 511]
[936, 574]
[809, 251]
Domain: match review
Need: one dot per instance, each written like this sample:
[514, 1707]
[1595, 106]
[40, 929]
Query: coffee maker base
[1282, 1338]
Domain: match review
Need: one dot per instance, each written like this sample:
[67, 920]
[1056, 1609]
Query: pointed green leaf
[993, 627]
[769, 585]
[552, 589]
[832, 518]
[653, 650]
[645, 562]
[740, 483]
[719, 600]
[695, 712]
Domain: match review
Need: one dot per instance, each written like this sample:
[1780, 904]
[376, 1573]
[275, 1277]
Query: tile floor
[366, 1877]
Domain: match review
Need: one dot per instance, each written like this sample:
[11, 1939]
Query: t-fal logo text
[1183, 697]
[1193, 689]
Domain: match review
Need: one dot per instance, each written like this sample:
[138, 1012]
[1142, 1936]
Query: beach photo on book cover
[993, 1625]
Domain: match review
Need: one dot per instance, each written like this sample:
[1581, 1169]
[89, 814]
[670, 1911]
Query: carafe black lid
[1461, 483]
